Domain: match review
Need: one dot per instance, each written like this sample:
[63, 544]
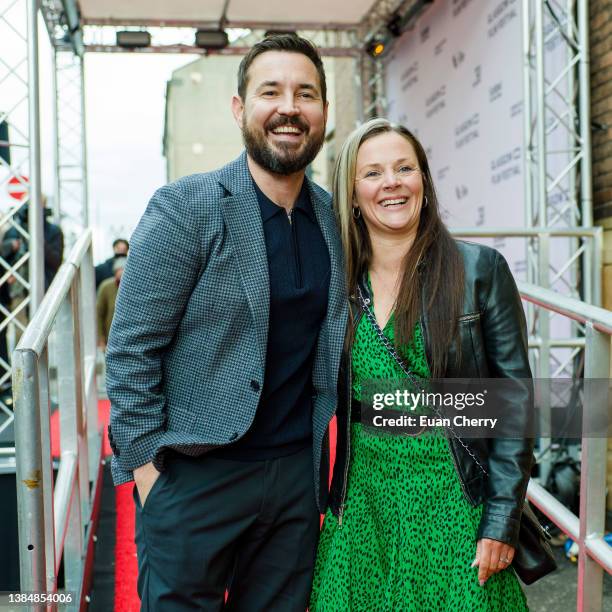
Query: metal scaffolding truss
[21, 271]
[372, 70]
[557, 101]
[63, 25]
[70, 144]
[558, 191]
[340, 42]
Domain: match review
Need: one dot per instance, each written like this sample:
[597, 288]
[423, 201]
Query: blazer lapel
[337, 309]
[245, 229]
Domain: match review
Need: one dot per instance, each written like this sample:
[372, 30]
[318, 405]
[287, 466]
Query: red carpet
[126, 564]
[103, 416]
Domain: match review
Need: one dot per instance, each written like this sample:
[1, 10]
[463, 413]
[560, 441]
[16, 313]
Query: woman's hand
[492, 556]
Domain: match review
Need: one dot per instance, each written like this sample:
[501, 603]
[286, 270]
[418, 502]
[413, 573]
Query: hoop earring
[426, 202]
[356, 215]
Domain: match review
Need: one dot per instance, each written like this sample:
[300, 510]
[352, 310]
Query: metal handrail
[587, 529]
[600, 318]
[593, 261]
[51, 524]
[55, 519]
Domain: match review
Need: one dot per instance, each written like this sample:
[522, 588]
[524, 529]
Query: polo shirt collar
[269, 208]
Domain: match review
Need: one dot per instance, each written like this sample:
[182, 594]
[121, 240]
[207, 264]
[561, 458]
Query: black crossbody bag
[533, 556]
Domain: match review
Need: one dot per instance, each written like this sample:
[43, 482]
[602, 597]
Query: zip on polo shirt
[297, 266]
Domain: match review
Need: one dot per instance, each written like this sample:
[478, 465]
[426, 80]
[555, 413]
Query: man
[105, 270]
[223, 357]
[105, 303]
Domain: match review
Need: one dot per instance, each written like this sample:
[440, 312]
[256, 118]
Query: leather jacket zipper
[459, 475]
[348, 417]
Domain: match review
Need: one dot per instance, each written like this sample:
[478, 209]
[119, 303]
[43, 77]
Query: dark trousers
[212, 524]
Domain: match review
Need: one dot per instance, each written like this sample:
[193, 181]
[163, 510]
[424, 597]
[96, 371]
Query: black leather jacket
[493, 338]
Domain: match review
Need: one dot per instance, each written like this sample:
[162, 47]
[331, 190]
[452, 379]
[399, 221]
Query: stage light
[211, 39]
[395, 26]
[133, 39]
[375, 48]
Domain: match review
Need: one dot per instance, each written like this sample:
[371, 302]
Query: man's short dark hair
[290, 43]
[119, 241]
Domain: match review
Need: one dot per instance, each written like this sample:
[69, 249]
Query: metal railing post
[30, 503]
[587, 529]
[71, 427]
[47, 467]
[543, 371]
[593, 472]
[597, 267]
[78, 372]
[89, 338]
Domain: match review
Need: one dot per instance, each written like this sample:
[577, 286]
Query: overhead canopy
[238, 12]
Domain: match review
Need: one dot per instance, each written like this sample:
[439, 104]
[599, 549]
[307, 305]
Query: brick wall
[601, 106]
[601, 114]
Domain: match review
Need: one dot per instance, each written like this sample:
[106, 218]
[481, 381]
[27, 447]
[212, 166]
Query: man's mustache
[287, 122]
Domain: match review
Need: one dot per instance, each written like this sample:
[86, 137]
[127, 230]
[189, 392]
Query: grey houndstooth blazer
[187, 347]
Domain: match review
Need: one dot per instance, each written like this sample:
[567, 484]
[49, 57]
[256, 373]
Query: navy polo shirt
[299, 272]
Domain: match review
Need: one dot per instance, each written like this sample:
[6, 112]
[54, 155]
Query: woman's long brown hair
[433, 273]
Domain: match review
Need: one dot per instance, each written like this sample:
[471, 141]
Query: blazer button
[255, 385]
[233, 436]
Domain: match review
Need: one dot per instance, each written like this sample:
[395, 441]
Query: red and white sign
[17, 188]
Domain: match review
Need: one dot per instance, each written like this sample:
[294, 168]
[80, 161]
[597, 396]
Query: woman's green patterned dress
[408, 535]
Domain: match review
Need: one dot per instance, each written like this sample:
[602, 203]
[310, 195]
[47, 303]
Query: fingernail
[482, 582]
[474, 563]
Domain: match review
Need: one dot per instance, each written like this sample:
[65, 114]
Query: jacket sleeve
[162, 269]
[7, 243]
[54, 249]
[101, 310]
[510, 459]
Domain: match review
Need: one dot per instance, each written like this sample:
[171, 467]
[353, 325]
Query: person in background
[104, 270]
[105, 305]
[15, 246]
[12, 293]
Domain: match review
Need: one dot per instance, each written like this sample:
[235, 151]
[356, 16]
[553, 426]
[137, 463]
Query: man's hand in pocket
[145, 477]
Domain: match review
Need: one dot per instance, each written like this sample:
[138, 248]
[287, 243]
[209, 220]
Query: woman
[427, 522]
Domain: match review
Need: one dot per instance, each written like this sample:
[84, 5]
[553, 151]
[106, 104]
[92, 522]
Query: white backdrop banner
[455, 80]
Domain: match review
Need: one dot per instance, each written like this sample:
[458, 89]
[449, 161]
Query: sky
[125, 98]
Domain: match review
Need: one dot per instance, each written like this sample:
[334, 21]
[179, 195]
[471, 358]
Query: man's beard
[288, 160]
